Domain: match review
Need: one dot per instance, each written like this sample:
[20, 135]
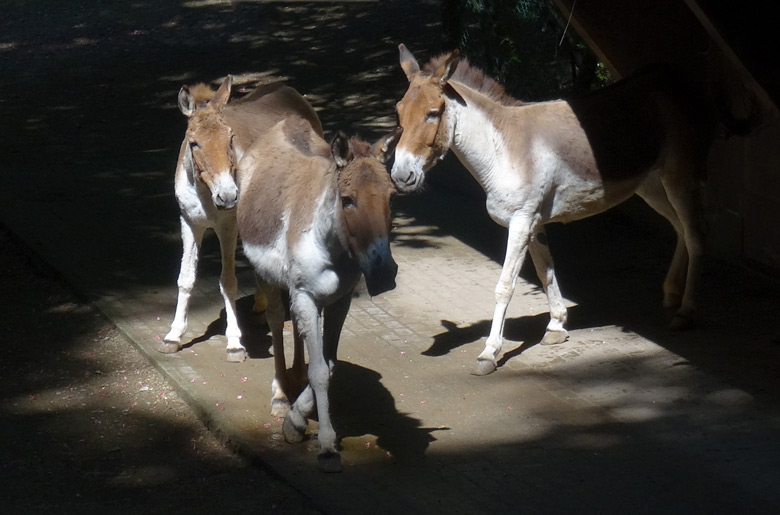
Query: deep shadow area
[95, 85]
[87, 425]
[360, 405]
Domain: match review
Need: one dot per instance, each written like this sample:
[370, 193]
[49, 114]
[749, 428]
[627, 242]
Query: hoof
[329, 462]
[555, 337]
[682, 322]
[236, 355]
[168, 347]
[292, 432]
[484, 367]
[280, 408]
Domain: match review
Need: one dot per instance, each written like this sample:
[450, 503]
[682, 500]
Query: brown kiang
[313, 218]
[560, 161]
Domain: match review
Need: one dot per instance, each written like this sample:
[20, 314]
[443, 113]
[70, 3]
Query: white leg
[227, 233]
[543, 262]
[517, 245]
[299, 359]
[296, 421]
[191, 238]
[308, 318]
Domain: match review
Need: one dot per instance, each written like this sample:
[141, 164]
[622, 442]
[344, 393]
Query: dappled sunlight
[92, 133]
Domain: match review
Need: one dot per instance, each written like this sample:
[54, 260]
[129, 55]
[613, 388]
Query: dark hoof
[168, 347]
[484, 367]
[236, 355]
[554, 337]
[293, 433]
[682, 322]
[329, 462]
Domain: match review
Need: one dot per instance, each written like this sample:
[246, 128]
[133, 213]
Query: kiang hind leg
[683, 193]
[275, 315]
[543, 263]
[652, 191]
[191, 237]
[260, 304]
[677, 200]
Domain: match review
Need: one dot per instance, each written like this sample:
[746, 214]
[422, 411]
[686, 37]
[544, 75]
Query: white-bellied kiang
[313, 217]
[560, 161]
[219, 132]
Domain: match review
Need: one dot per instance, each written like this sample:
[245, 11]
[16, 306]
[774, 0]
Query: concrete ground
[626, 417]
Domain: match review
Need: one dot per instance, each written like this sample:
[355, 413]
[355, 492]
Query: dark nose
[382, 279]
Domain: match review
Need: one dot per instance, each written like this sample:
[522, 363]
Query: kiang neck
[475, 139]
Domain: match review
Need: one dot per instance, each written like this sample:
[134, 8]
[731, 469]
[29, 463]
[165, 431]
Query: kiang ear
[383, 149]
[340, 149]
[222, 95]
[448, 67]
[186, 102]
[408, 63]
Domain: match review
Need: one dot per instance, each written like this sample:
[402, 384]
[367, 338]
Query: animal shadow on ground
[254, 329]
[361, 405]
[527, 330]
[522, 332]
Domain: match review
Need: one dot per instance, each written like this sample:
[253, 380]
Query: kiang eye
[433, 115]
[348, 202]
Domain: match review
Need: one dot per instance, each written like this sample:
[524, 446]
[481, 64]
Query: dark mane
[474, 78]
[359, 147]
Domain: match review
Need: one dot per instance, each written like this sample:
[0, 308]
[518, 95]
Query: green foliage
[521, 43]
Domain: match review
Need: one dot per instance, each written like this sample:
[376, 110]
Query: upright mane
[201, 94]
[359, 147]
[474, 78]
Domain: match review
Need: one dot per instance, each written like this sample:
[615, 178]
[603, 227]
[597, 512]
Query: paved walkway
[624, 418]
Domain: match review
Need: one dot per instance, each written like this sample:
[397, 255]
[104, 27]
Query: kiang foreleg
[517, 246]
[227, 233]
[191, 237]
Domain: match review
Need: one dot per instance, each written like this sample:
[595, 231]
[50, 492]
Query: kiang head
[422, 116]
[208, 148]
[366, 189]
